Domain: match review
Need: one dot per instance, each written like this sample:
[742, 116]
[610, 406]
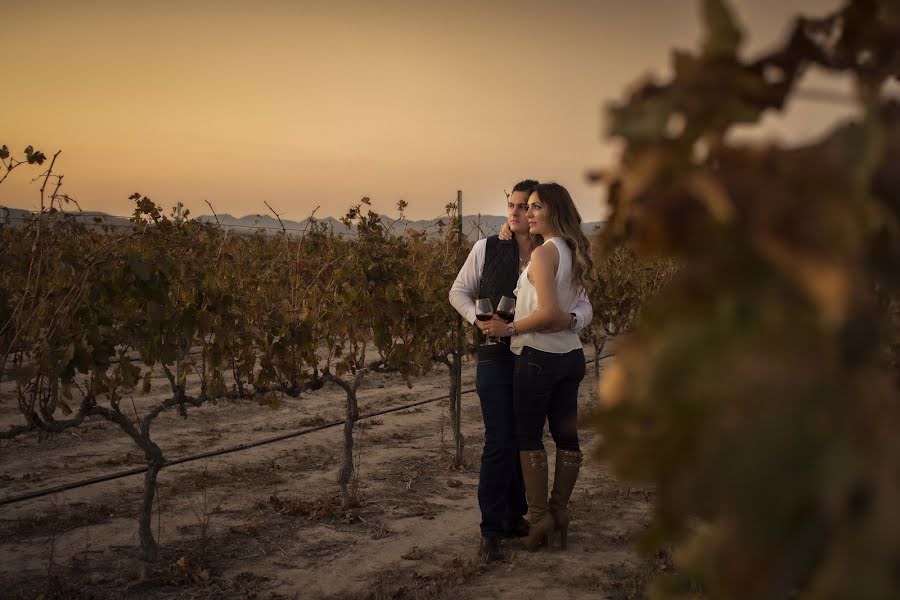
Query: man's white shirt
[465, 288]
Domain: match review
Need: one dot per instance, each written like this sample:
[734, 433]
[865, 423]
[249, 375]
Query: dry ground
[265, 523]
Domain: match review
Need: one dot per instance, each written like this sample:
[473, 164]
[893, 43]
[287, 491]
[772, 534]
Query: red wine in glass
[506, 316]
[484, 311]
[506, 310]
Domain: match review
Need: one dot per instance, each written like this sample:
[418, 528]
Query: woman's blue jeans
[546, 389]
[501, 490]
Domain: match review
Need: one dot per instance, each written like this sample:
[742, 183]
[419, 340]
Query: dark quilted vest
[498, 278]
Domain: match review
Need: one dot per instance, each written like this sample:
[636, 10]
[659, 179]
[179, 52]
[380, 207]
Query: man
[491, 271]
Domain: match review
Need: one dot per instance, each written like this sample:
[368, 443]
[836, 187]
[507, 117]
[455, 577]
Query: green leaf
[34, 156]
[129, 373]
[723, 36]
[142, 269]
[82, 359]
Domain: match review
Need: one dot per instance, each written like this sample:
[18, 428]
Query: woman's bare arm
[542, 273]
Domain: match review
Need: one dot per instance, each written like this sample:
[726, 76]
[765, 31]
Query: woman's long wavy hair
[565, 220]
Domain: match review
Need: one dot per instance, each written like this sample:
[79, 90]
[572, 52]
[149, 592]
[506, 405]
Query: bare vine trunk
[149, 547]
[155, 462]
[238, 382]
[598, 349]
[459, 442]
[345, 474]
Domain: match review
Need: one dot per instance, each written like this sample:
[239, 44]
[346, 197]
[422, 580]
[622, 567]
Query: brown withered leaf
[825, 283]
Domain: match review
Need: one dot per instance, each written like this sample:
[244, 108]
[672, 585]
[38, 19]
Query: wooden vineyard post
[456, 397]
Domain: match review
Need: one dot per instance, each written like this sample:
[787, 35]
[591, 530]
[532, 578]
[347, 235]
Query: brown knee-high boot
[568, 463]
[534, 472]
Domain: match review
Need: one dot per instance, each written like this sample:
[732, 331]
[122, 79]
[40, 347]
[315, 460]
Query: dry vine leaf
[828, 285]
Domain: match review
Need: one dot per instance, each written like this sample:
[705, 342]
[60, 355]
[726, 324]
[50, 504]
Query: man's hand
[496, 327]
[505, 232]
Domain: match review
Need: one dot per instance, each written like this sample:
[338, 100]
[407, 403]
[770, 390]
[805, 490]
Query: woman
[492, 270]
[549, 366]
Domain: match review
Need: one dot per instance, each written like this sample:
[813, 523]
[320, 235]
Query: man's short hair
[525, 186]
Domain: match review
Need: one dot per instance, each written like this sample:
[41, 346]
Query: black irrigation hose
[229, 450]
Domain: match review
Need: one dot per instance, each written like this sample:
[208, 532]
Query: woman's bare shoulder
[546, 252]
[544, 260]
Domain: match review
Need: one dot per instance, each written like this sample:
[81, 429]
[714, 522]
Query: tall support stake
[456, 396]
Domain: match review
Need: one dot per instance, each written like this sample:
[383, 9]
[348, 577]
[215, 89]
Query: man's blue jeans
[501, 490]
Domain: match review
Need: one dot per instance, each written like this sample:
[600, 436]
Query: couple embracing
[531, 374]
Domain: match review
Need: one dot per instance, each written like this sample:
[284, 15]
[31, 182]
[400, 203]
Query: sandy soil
[266, 522]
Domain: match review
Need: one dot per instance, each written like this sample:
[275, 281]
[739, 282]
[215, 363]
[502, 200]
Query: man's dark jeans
[501, 490]
[546, 390]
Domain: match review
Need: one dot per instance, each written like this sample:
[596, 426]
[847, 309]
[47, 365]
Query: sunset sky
[306, 104]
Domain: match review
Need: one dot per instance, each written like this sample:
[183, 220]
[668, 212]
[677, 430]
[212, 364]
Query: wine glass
[484, 311]
[506, 310]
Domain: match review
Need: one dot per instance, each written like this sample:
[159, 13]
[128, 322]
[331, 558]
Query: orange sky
[306, 104]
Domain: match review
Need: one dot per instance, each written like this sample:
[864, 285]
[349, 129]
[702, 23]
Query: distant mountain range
[475, 226]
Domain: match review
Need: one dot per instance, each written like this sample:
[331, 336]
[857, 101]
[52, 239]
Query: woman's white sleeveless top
[527, 302]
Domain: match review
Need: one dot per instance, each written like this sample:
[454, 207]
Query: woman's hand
[505, 232]
[496, 327]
